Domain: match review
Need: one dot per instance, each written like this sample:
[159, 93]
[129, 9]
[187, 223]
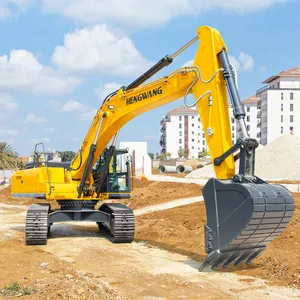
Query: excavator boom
[244, 213]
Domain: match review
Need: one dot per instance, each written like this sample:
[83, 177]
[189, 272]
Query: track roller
[120, 229]
[37, 224]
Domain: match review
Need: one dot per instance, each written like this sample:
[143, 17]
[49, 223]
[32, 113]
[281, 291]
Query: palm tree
[8, 157]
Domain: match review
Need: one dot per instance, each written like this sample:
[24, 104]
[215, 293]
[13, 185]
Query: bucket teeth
[219, 259]
[242, 219]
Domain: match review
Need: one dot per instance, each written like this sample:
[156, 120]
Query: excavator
[244, 212]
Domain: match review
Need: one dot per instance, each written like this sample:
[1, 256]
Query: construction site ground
[162, 263]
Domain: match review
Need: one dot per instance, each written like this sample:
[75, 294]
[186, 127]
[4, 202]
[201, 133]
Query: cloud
[244, 62]
[106, 89]
[147, 12]
[8, 132]
[54, 104]
[89, 115]
[49, 130]
[10, 7]
[72, 105]
[188, 63]
[98, 49]
[85, 111]
[33, 119]
[21, 71]
[42, 140]
[7, 104]
[262, 68]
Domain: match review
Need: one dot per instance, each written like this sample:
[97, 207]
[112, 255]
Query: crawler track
[37, 224]
[121, 227]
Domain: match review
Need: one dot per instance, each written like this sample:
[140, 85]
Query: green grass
[15, 289]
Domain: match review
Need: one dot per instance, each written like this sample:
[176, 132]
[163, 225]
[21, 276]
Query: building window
[180, 133]
[199, 119]
[292, 96]
[278, 85]
[193, 125]
[232, 127]
[193, 140]
[193, 147]
[198, 133]
[203, 142]
[248, 127]
[248, 108]
[281, 107]
[233, 135]
[291, 130]
[281, 118]
[180, 141]
[198, 141]
[232, 120]
[180, 118]
[193, 117]
[180, 125]
[281, 130]
[198, 126]
[180, 147]
[248, 118]
[203, 135]
[291, 118]
[281, 96]
[291, 107]
[193, 132]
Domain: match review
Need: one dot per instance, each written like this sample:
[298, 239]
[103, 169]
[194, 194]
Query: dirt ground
[78, 263]
[181, 230]
[146, 193]
[43, 276]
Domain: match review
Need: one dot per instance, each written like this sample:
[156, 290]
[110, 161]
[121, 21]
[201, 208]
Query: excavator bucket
[242, 218]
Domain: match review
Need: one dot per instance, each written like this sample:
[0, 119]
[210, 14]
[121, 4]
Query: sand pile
[279, 160]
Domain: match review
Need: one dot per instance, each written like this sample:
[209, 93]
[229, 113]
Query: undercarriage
[115, 220]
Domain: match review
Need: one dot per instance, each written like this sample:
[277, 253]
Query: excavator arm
[244, 213]
[205, 80]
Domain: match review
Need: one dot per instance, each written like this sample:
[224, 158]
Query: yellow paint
[122, 108]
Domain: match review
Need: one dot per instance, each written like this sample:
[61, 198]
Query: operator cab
[117, 181]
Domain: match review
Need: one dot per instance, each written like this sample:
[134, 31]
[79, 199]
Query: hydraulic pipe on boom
[244, 212]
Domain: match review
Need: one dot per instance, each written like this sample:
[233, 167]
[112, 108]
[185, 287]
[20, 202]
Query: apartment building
[182, 129]
[250, 106]
[278, 106]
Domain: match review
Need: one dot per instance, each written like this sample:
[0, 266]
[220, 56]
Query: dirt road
[78, 263]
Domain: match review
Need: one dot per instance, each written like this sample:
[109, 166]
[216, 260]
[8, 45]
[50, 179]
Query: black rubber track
[37, 224]
[121, 227]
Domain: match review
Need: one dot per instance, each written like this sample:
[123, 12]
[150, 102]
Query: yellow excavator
[244, 213]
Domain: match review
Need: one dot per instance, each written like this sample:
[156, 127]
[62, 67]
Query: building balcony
[259, 114]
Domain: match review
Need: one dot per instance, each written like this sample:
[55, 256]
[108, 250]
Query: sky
[60, 58]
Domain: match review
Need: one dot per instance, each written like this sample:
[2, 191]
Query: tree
[67, 155]
[205, 153]
[151, 155]
[164, 156]
[184, 153]
[180, 153]
[8, 157]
